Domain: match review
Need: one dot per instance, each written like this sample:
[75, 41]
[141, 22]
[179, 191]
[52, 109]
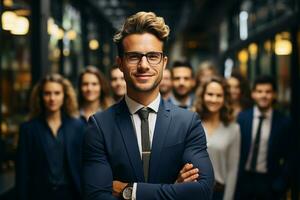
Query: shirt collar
[257, 113]
[134, 106]
[188, 103]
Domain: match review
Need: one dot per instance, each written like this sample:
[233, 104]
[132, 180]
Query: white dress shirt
[223, 146]
[133, 107]
[261, 165]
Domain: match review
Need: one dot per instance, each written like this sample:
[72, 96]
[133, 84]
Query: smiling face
[182, 81]
[213, 97]
[142, 77]
[90, 87]
[53, 97]
[263, 95]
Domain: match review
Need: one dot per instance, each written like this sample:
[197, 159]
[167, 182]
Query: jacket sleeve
[97, 173]
[196, 153]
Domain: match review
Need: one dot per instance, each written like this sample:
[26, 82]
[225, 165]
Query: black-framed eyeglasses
[153, 57]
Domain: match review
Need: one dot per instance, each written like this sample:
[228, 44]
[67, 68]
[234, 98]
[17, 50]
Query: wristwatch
[127, 191]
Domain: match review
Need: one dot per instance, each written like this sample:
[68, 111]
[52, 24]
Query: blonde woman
[223, 136]
[49, 150]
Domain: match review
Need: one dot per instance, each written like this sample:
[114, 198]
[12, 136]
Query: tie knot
[144, 113]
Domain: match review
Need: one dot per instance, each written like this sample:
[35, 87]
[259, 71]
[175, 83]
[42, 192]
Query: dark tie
[256, 144]
[146, 150]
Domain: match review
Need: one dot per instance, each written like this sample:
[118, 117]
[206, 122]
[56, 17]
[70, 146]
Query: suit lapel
[249, 132]
[161, 129]
[125, 125]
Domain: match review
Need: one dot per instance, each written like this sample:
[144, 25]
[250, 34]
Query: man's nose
[143, 65]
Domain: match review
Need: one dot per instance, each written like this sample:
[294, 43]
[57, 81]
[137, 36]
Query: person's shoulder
[107, 113]
[278, 115]
[30, 123]
[75, 121]
[245, 114]
[233, 125]
[177, 111]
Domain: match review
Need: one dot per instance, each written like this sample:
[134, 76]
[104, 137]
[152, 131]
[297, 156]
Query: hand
[188, 174]
[118, 187]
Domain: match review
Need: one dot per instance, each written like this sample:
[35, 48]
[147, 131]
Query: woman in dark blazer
[49, 150]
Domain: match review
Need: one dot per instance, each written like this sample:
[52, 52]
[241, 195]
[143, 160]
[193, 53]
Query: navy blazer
[32, 166]
[111, 153]
[279, 148]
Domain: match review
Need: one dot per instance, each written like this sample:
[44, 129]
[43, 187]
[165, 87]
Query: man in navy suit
[265, 148]
[128, 156]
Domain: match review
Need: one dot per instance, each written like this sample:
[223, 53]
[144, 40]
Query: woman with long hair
[49, 150]
[94, 94]
[239, 92]
[223, 135]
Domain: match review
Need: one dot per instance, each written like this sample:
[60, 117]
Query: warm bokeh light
[243, 56]
[253, 49]
[71, 34]
[8, 19]
[8, 3]
[21, 26]
[283, 47]
[268, 46]
[66, 52]
[93, 44]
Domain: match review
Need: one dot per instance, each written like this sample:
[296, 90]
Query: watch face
[127, 193]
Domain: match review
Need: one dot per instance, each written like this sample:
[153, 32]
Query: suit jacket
[32, 167]
[278, 155]
[111, 153]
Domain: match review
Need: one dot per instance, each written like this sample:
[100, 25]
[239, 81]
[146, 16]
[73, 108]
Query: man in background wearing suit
[265, 148]
[144, 147]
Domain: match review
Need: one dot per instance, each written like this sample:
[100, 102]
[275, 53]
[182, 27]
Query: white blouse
[223, 146]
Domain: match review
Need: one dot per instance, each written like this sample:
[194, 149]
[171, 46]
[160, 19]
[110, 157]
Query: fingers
[190, 174]
[186, 168]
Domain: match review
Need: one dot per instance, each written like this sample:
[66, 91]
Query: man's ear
[119, 63]
[165, 62]
[253, 94]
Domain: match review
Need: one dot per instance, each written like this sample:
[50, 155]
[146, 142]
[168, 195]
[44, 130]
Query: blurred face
[117, 82]
[90, 87]
[182, 81]
[205, 75]
[234, 88]
[214, 97]
[53, 97]
[143, 76]
[263, 95]
[165, 85]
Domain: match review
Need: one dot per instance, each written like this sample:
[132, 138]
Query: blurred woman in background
[205, 71]
[49, 149]
[94, 92]
[223, 136]
[240, 93]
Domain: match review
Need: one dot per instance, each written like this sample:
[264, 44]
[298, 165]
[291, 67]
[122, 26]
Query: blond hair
[69, 107]
[142, 22]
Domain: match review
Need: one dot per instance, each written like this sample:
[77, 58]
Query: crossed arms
[191, 183]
